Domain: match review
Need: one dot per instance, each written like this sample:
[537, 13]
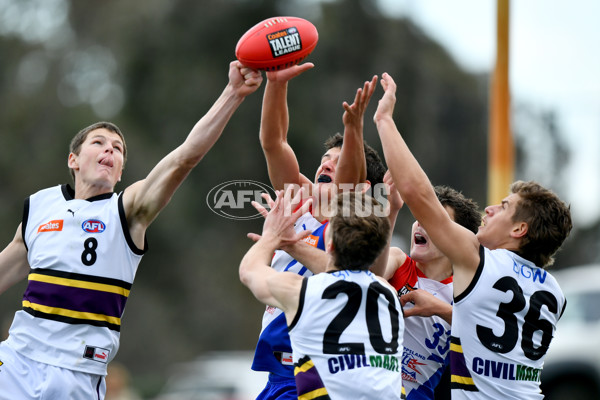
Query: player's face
[100, 160]
[497, 225]
[326, 172]
[422, 248]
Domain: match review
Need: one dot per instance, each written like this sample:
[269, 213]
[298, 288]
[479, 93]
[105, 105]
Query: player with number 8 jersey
[80, 250]
[83, 263]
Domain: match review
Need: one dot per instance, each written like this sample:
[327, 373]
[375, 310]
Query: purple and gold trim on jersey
[308, 382]
[76, 298]
[461, 378]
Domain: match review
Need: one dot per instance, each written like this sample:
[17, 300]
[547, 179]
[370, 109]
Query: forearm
[314, 259]
[145, 199]
[282, 164]
[209, 128]
[426, 305]
[445, 312]
[381, 266]
[409, 178]
[256, 262]
[274, 122]
[14, 266]
[352, 166]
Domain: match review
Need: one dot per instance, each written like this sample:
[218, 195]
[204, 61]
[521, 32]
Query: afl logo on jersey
[93, 226]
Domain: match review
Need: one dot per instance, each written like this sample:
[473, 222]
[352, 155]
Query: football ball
[277, 43]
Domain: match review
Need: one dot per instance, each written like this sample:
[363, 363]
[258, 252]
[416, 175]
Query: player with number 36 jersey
[506, 305]
[507, 323]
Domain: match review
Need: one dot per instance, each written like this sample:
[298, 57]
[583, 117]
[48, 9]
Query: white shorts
[24, 379]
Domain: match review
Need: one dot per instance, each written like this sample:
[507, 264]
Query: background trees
[155, 67]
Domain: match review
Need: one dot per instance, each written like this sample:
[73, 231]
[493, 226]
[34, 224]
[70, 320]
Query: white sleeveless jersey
[347, 338]
[83, 263]
[274, 338]
[426, 339]
[502, 326]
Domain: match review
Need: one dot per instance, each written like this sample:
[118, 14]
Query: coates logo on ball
[277, 43]
[233, 199]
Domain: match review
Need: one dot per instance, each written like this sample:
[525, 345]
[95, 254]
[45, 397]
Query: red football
[277, 43]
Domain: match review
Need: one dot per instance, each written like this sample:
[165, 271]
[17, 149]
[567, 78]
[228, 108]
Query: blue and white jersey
[502, 326]
[274, 351]
[426, 339]
[83, 262]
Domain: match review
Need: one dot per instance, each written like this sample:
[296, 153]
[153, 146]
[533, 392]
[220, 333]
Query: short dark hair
[79, 138]
[357, 240]
[375, 168]
[548, 219]
[466, 212]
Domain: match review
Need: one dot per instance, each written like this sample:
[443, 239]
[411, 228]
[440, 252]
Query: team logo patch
[96, 353]
[312, 240]
[93, 226]
[284, 42]
[51, 226]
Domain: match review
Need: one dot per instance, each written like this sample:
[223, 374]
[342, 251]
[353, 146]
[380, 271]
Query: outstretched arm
[279, 289]
[458, 243]
[282, 164]
[314, 259]
[14, 266]
[389, 260]
[146, 198]
[352, 165]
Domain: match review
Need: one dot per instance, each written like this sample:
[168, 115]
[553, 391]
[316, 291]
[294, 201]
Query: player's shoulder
[397, 256]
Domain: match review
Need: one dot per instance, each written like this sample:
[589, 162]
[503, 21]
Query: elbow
[244, 274]
[268, 143]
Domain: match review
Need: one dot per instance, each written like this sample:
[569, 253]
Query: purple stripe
[458, 365]
[308, 381]
[75, 299]
[98, 386]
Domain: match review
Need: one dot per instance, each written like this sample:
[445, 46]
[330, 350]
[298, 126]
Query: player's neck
[438, 269]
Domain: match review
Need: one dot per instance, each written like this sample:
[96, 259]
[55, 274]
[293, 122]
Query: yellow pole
[500, 146]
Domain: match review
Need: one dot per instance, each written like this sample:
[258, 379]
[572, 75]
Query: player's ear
[72, 161]
[329, 247]
[519, 230]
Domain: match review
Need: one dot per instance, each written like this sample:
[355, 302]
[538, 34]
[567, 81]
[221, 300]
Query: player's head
[548, 219]
[375, 167]
[83, 135]
[356, 234]
[533, 216]
[461, 210]
[465, 210]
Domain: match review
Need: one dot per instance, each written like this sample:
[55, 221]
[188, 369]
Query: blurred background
[155, 67]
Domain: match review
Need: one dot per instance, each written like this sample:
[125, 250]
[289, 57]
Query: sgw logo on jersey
[93, 226]
[51, 226]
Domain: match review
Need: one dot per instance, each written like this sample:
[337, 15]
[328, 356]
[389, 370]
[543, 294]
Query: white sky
[554, 65]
